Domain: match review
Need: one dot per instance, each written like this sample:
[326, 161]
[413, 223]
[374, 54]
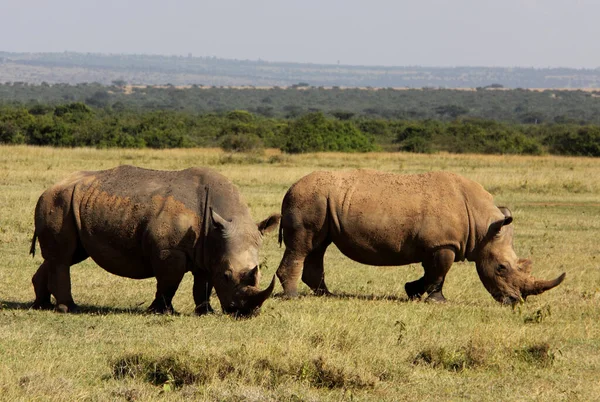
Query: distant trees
[510, 106]
[452, 111]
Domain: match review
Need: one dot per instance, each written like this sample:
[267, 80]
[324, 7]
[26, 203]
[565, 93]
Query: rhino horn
[537, 286]
[256, 298]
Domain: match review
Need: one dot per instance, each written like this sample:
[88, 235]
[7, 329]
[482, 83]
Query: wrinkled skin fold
[381, 218]
[141, 223]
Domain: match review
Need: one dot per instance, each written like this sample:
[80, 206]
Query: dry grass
[368, 344]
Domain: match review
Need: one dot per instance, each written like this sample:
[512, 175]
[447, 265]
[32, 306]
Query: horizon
[431, 33]
[112, 54]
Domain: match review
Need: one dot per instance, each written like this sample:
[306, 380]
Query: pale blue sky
[524, 33]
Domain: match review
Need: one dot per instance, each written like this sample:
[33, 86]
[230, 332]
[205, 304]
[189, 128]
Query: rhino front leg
[436, 267]
[40, 282]
[435, 274]
[169, 269]
[202, 290]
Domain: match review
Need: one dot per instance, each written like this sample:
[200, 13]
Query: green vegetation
[77, 124]
[368, 343]
[508, 106]
[315, 133]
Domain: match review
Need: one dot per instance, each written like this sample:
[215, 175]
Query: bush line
[77, 124]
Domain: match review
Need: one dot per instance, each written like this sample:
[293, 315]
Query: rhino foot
[42, 305]
[203, 309]
[290, 295]
[436, 297]
[414, 290]
[322, 292]
[160, 309]
[67, 308]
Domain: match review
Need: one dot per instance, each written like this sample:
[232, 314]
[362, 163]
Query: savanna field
[367, 343]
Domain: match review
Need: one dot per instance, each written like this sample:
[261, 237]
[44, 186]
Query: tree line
[78, 124]
[156, 69]
[492, 103]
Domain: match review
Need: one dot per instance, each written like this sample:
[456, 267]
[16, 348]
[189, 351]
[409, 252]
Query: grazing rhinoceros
[380, 218]
[141, 223]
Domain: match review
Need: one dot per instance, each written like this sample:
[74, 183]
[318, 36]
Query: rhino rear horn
[508, 218]
[538, 286]
[218, 221]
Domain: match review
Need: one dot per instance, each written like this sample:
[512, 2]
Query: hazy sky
[526, 33]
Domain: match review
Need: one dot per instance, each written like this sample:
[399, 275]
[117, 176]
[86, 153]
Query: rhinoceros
[140, 223]
[380, 218]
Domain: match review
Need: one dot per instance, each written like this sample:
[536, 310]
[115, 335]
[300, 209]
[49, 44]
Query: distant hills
[73, 68]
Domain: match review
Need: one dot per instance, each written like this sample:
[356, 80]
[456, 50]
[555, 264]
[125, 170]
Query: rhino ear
[507, 215]
[496, 227]
[218, 221]
[269, 224]
[254, 276]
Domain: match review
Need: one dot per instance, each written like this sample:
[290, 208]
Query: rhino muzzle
[530, 287]
[249, 301]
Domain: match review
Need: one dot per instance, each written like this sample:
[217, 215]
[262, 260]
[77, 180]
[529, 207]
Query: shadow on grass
[82, 308]
[345, 295]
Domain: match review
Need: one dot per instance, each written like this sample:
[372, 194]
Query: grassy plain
[369, 343]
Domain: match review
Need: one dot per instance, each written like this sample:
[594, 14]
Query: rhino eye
[501, 269]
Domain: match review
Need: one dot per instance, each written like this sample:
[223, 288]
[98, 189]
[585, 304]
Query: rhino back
[382, 218]
[126, 215]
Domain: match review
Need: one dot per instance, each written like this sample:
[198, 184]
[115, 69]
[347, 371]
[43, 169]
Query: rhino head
[507, 277]
[232, 251]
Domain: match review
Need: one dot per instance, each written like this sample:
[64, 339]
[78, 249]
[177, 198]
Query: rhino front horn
[257, 299]
[540, 286]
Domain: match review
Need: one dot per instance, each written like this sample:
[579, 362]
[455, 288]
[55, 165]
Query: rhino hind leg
[40, 282]
[59, 282]
[313, 273]
[415, 289]
[169, 271]
[202, 290]
[289, 272]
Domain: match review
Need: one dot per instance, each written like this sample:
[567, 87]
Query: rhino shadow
[346, 295]
[82, 308]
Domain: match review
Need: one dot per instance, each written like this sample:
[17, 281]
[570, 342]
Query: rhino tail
[32, 248]
[280, 237]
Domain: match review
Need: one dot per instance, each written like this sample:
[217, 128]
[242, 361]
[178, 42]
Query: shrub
[584, 141]
[418, 145]
[241, 143]
[313, 132]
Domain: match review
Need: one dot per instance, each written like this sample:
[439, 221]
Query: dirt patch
[537, 354]
[560, 204]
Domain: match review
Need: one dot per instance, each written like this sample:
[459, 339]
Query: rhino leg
[415, 289]
[435, 274]
[40, 286]
[436, 267]
[306, 239]
[313, 273]
[169, 270]
[289, 272]
[202, 290]
[60, 286]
